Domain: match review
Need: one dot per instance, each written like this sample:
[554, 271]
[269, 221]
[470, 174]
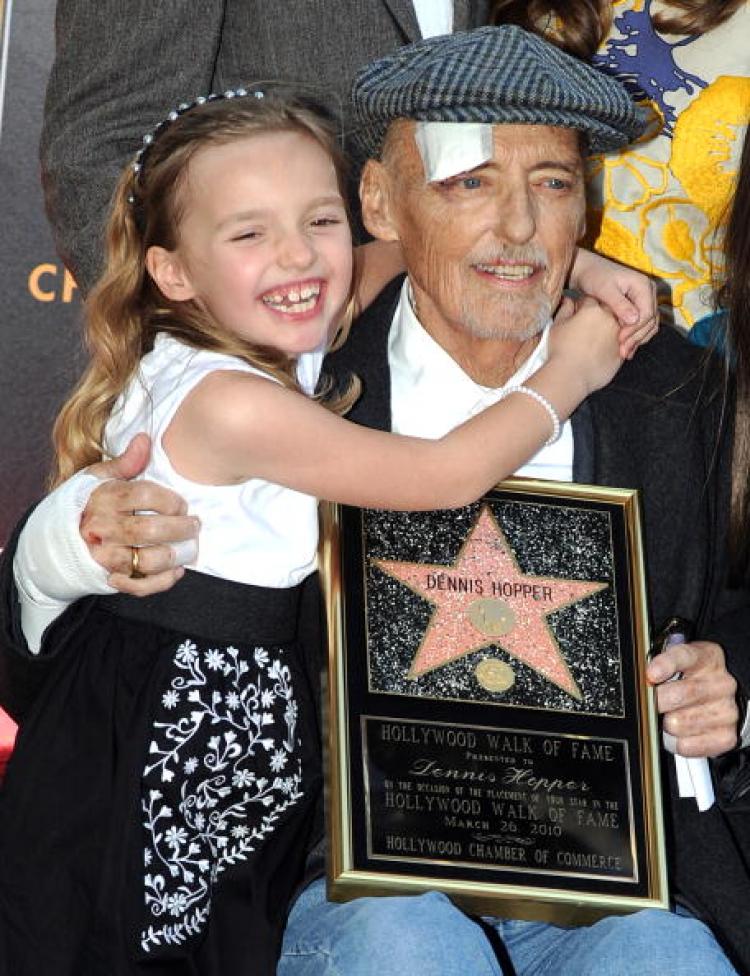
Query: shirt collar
[417, 360]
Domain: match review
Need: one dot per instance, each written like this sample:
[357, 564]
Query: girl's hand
[586, 339]
[628, 294]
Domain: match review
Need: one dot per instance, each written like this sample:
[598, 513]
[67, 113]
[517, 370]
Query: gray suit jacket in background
[121, 65]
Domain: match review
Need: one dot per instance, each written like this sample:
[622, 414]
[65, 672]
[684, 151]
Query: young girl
[160, 804]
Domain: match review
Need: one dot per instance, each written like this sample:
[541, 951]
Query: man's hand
[699, 710]
[628, 294]
[110, 526]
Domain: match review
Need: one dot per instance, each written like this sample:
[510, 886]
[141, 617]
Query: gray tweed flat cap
[495, 75]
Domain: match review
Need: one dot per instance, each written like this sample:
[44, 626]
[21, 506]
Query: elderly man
[488, 217]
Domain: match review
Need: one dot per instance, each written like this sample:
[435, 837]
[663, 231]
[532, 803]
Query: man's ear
[168, 273]
[375, 193]
[582, 217]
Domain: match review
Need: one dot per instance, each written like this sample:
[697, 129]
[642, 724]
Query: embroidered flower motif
[175, 836]
[177, 904]
[187, 653]
[288, 785]
[231, 733]
[243, 777]
[215, 660]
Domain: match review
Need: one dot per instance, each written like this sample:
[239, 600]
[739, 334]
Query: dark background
[39, 306]
[40, 348]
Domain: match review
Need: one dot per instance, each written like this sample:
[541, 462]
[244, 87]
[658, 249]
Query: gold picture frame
[490, 733]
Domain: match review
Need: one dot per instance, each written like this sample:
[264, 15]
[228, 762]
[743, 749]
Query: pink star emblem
[484, 598]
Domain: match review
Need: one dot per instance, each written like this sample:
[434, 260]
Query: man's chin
[506, 326]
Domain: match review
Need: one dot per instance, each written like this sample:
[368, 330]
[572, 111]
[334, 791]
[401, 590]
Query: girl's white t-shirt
[255, 532]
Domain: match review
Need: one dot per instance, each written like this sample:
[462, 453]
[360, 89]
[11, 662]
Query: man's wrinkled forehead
[447, 149]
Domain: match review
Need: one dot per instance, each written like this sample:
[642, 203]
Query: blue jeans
[429, 936]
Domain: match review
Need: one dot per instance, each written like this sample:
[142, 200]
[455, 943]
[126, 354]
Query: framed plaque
[490, 731]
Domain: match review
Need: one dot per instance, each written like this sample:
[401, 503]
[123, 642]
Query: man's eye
[454, 183]
[556, 183]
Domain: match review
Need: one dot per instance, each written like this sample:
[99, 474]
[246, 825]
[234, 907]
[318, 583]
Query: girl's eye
[326, 221]
[248, 235]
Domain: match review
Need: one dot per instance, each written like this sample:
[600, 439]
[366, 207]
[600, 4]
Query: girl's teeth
[302, 299]
[302, 306]
[298, 306]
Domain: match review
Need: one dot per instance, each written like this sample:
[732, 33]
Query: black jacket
[661, 426]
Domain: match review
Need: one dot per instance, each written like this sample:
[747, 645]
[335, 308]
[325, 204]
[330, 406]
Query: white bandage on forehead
[450, 148]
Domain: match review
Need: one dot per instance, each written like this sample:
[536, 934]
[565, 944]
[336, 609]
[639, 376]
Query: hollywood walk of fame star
[484, 598]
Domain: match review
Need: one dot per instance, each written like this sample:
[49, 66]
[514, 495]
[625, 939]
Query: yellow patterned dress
[659, 205]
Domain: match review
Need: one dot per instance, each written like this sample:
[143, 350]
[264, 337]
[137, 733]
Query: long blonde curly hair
[126, 310]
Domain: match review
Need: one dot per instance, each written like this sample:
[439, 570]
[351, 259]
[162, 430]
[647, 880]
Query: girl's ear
[375, 195]
[168, 273]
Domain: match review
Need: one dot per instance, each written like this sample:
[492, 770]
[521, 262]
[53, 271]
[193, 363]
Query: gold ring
[135, 561]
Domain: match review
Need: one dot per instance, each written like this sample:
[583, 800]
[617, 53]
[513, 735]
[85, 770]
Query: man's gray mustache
[522, 255]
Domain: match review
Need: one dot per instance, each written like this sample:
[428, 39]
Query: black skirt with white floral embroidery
[162, 798]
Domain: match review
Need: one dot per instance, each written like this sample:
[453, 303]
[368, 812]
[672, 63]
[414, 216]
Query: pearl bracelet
[542, 401]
